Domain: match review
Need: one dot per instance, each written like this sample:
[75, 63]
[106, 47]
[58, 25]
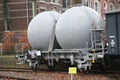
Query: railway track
[56, 70]
[17, 69]
[45, 74]
[30, 70]
[10, 78]
[13, 70]
[20, 73]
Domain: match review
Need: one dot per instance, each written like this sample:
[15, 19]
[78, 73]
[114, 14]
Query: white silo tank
[40, 28]
[74, 25]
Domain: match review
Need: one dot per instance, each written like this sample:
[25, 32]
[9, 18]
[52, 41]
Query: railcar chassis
[82, 57]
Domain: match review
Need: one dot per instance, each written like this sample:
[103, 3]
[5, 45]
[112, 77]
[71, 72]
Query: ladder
[97, 39]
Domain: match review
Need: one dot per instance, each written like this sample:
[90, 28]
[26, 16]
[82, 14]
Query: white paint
[40, 29]
[73, 27]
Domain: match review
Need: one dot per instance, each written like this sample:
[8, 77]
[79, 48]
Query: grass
[9, 61]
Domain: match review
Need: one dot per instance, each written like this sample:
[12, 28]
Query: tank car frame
[83, 58]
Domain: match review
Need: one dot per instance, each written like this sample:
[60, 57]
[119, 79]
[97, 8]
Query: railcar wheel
[103, 68]
[51, 67]
[105, 64]
[35, 66]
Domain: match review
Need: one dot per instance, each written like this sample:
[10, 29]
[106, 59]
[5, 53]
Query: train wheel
[35, 66]
[51, 67]
[103, 68]
[105, 64]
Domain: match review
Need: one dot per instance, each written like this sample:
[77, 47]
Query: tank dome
[74, 25]
[40, 28]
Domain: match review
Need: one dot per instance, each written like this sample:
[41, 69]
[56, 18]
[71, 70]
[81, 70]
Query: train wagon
[112, 56]
[76, 36]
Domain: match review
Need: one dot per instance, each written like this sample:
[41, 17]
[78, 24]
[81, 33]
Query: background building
[19, 12]
[101, 6]
[15, 16]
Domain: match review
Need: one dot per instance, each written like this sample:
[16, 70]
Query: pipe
[34, 7]
[1, 48]
[27, 11]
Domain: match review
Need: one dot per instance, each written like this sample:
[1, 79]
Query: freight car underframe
[82, 57]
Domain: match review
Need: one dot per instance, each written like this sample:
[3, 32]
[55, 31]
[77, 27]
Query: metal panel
[118, 25]
[111, 33]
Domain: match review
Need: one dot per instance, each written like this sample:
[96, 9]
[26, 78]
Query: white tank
[40, 28]
[74, 25]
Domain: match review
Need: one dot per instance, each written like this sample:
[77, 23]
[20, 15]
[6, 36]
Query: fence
[9, 61]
